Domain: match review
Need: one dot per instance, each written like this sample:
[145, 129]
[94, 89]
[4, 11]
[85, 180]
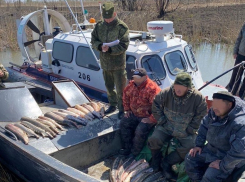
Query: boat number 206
[84, 76]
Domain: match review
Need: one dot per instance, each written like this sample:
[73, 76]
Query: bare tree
[166, 6]
[131, 5]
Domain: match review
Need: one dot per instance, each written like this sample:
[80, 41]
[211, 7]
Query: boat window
[191, 58]
[63, 51]
[130, 65]
[86, 59]
[154, 67]
[175, 62]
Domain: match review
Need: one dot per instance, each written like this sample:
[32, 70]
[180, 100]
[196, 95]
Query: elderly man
[3, 74]
[224, 131]
[178, 110]
[138, 120]
[112, 59]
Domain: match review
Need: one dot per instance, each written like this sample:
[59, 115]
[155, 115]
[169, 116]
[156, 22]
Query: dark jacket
[239, 47]
[179, 116]
[115, 58]
[225, 137]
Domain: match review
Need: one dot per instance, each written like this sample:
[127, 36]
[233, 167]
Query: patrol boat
[67, 54]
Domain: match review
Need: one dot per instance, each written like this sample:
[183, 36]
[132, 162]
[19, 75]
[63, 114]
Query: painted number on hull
[84, 76]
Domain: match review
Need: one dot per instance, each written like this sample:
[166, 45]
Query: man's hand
[105, 48]
[215, 164]
[127, 114]
[1, 74]
[234, 55]
[194, 150]
[146, 120]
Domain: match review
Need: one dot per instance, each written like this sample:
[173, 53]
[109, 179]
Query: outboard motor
[56, 66]
[57, 31]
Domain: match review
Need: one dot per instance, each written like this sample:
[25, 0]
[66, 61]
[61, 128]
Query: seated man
[224, 130]
[138, 120]
[3, 74]
[178, 110]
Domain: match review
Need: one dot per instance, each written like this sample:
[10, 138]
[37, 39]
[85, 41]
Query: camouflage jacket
[225, 137]
[179, 116]
[5, 72]
[138, 99]
[115, 58]
[239, 47]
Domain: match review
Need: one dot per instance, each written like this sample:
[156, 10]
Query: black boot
[126, 150]
[156, 159]
[120, 114]
[110, 109]
[167, 171]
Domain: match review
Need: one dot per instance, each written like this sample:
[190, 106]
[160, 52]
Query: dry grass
[197, 20]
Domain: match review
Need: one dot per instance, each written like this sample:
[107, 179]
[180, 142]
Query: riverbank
[218, 22]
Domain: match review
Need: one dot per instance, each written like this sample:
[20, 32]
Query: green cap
[184, 79]
[107, 10]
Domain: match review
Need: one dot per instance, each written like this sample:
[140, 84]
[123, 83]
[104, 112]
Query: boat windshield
[154, 67]
[190, 56]
[176, 62]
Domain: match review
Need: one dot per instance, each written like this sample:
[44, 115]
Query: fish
[114, 168]
[88, 107]
[136, 170]
[27, 130]
[161, 180]
[79, 120]
[38, 124]
[144, 176]
[52, 121]
[84, 110]
[62, 114]
[140, 174]
[18, 132]
[153, 177]
[48, 124]
[131, 168]
[79, 113]
[36, 129]
[97, 114]
[123, 167]
[68, 112]
[60, 120]
[101, 109]
[95, 106]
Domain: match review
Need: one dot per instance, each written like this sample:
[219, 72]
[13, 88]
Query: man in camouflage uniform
[3, 74]
[113, 59]
[138, 120]
[178, 110]
[220, 144]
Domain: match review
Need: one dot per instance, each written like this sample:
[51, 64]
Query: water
[212, 60]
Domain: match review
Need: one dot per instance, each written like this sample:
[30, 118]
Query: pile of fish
[130, 170]
[49, 125]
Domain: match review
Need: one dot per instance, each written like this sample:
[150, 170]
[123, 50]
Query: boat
[67, 54]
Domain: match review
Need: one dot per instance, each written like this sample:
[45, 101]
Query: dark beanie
[224, 95]
[184, 79]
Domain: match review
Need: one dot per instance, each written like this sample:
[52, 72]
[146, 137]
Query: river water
[212, 60]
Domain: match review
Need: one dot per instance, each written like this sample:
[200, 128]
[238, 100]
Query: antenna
[80, 29]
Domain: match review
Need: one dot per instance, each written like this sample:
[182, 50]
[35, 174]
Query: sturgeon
[81, 113]
[52, 121]
[88, 107]
[115, 165]
[136, 171]
[27, 130]
[131, 168]
[48, 124]
[140, 174]
[95, 106]
[60, 120]
[84, 110]
[153, 177]
[38, 124]
[18, 132]
[36, 129]
[124, 166]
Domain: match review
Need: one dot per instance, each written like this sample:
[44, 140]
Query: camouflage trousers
[115, 78]
[134, 133]
[159, 138]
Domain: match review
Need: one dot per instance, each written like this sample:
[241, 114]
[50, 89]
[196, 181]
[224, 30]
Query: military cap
[224, 95]
[107, 10]
[184, 79]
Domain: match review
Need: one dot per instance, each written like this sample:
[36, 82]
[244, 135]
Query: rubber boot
[126, 150]
[156, 159]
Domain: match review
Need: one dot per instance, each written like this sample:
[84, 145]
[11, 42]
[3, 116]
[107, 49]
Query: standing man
[3, 74]
[138, 120]
[239, 55]
[112, 59]
[224, 130]
[178, 110]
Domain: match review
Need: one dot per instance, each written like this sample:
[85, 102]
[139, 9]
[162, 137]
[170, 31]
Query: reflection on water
[212, 60]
